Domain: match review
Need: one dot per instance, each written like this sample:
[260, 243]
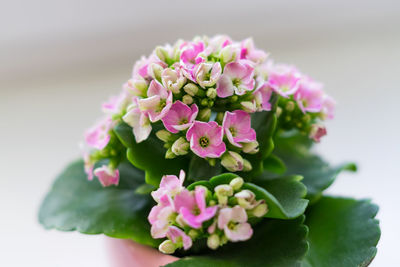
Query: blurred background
[61, 58]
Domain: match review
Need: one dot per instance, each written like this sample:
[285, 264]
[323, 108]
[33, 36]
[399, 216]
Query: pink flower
[161, 217]
[88, 166]
[190, 51]
[193, 207]
[177, 236]
[180, 117]
[237, 127]
[207, 74]
[107, 176]
[173, 80]
[158, 103]
[317, 132]
[98, 136]
[309, 96]
[328, 107]
[139, 121]
[262, 97]
[170, 185]
[206, 139]
[236, 78]
[284, 79]
[249, 52]
[234, 223]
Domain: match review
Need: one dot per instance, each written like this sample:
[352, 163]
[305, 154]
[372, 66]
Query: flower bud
[180, 146]
[211, 93]
[138, 86]
[222, 192]
[204, 102]
[232, 161]
[213, 241]
[260, 210]
[317, 131]
[191, 89]
[251, 147]
[161, 53]
[193, 233]
[169, 154]
[187, 99]
[234, 98]
[246, 199]
[167, 247]
[236, 183]
[204, 114]
[247, 165]
[290, 106]
[227, 54]
[155, 71]
[249, 106]
[179, 220]
[220, 117]
[163, 135]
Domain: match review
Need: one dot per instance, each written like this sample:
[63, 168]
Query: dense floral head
[202, 94]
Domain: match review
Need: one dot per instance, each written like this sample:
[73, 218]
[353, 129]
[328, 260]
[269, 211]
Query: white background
[60, 59]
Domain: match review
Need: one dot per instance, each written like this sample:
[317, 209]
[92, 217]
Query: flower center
[183, 121]
[232, 225]
[233, 131]
[204, 141]
[196, 211]
[161, 105]
[236, 82]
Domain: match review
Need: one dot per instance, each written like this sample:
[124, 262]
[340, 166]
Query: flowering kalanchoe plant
[209, 147]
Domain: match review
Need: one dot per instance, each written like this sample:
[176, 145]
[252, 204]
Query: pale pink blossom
[118, 104]
[309, 95]
[284, 79]
[317, 132]
[234, 223]
[262, 97]
[192, 207]
[136, 86]
[144, 65]
[161, 217]
[178, 237]
[180, 117]
[207, 74]
[250, 52]
[206, 139]
[237, 78]
[99, 136]
[139, 121]
[170, 185]
[190, 53]
[157, 103]
[328, 107]
[173, 80]
[107, 176]
[237, 127]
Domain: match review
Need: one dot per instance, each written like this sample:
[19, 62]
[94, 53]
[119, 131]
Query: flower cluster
[220, 215]
[201, 93]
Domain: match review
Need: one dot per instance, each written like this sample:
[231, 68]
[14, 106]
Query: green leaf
[299, 160]
[264, 124]
[76, 204]
[199, 168]
[274, 164]
[274, 243]
[342, 232]
[284, 195]
[149, 155]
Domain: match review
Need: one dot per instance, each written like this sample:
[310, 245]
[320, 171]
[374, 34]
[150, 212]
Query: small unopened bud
[138, 86]
[163, 135]
[213, 241]
[193, 233]
[204, 102]
[234, 98]
[161, 53]
[251, 147]
[232, 161]
[204, 114]
[306, 118]
[191, 89]
[260, 210]
[317, 131]
[249, 106]
[211, 93]
[212, 161]
[247, 165]
[290, 106]
[187, 99]
[220, 117]
[155, 71]
[227, 54]
[167, 247]
[278, 111]
[169, 154]
[180, 146]
[222, 192]
[236, 183]
[245, 199]
[179, 220]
